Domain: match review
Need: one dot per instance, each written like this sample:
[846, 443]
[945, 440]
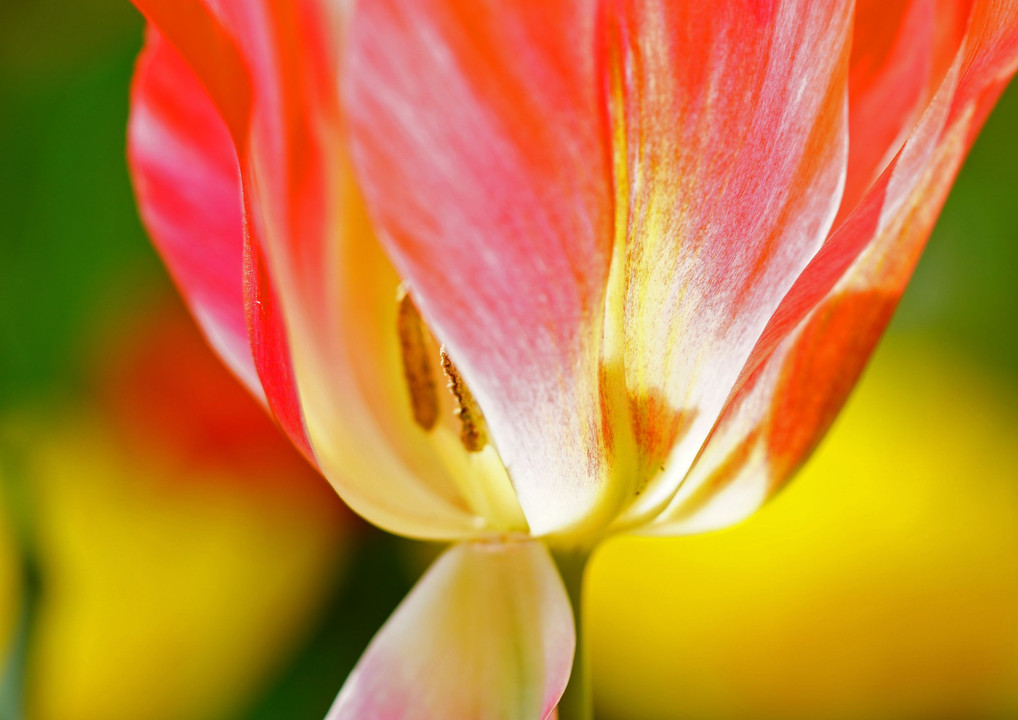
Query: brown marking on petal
[820, 372]
[595, 455]
[657, 427]
[654, 428]
[473, 431]
[417, 370]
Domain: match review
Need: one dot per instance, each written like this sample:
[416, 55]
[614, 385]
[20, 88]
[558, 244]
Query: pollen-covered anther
[417, 370]
[473, 431]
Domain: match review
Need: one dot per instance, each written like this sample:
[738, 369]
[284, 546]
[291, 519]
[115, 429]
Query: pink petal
[186, 175]
[735, 132]
[486, 634]
[318, 294]
[480, 138]
[825, 330]
[187, 182]
[506, 147]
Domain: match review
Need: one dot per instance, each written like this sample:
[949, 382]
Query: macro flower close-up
[525, 277]
[648, 247]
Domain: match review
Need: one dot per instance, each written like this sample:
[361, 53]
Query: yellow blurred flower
[183, 547]
[163, 599]
[882, 584]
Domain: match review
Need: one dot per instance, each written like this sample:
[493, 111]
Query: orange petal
[900, 53]
[828, 325]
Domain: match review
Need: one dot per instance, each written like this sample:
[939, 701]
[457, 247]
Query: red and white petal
[336, 288]
[187, 179]
[480, 140]
[506, 147]
[733, 120]
[900, 53]
[818, 342]
[486, 634]
[187, 183]
[317, 288]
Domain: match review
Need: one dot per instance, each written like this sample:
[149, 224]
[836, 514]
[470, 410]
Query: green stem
[577, 701]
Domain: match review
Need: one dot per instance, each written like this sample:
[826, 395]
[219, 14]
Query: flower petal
[900, 53]
[319, 291]
[198, 35]
[734, 127]
[487, 633]
[554, 136]
[336, 288]
[186, 177]
[825, 330]
[187, 183]
[480, 140]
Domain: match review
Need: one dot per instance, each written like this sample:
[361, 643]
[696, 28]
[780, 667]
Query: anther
[413, 348]
[473, 432]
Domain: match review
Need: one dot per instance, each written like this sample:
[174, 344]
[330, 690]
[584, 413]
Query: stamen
[413, 348]
[473, 431]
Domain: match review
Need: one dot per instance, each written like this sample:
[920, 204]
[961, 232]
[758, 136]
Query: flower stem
[577, 701]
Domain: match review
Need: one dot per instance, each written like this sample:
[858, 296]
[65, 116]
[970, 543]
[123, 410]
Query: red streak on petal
[272, 351]
[194, 30]
[820, 372]
[657, 427]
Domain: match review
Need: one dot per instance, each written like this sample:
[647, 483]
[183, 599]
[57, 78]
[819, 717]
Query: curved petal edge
[486, 634]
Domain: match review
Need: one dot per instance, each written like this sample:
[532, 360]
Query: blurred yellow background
[154, 564]
[180, 549]
[883, 583]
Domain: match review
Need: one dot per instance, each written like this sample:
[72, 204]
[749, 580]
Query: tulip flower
[648, 246]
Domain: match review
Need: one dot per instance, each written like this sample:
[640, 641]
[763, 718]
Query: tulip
[648, 246]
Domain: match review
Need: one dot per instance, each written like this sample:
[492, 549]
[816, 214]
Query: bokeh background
[164, 554]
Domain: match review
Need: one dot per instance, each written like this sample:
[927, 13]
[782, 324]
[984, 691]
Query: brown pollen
[417, 370]
[473, 432]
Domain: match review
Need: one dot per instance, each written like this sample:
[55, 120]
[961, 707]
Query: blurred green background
[882, 584]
